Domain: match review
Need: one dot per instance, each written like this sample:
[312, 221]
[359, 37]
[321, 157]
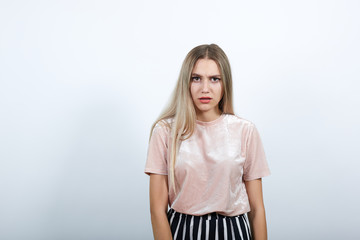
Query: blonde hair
[181, 108]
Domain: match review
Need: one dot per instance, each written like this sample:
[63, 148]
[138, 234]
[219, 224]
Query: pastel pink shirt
[211, 165]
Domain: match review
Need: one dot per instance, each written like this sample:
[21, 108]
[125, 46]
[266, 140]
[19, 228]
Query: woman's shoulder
[164, 124]
[236, 119]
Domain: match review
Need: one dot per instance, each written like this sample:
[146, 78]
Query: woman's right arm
[158, 206]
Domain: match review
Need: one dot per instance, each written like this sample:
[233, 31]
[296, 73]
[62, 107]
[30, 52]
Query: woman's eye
[196, 79]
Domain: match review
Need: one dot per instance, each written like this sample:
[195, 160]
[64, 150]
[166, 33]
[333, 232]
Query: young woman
[203, 160]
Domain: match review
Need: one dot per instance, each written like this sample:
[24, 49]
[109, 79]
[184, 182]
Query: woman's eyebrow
[198, 75]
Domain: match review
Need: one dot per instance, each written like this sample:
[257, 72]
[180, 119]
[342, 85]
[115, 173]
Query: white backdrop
[81, 82]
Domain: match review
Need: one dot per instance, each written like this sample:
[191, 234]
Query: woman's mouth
[205, 100]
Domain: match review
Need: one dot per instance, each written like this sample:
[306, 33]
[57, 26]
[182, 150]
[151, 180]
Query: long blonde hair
[181, 108]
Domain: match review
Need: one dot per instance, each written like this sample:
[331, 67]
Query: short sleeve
[255, 165]
[156, 161]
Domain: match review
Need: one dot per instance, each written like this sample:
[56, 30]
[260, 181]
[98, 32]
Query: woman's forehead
[206, 67]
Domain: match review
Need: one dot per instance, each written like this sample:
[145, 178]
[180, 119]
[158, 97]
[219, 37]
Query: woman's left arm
[256, 216]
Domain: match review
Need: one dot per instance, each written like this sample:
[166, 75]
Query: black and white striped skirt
[212, 226]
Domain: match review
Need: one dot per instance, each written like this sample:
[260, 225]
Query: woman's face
[206, 82]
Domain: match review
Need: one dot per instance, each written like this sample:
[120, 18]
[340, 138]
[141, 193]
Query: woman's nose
[205, 85]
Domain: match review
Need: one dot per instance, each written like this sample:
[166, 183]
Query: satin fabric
[211, 165]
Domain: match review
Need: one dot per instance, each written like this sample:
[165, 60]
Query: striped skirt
[212, 226]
